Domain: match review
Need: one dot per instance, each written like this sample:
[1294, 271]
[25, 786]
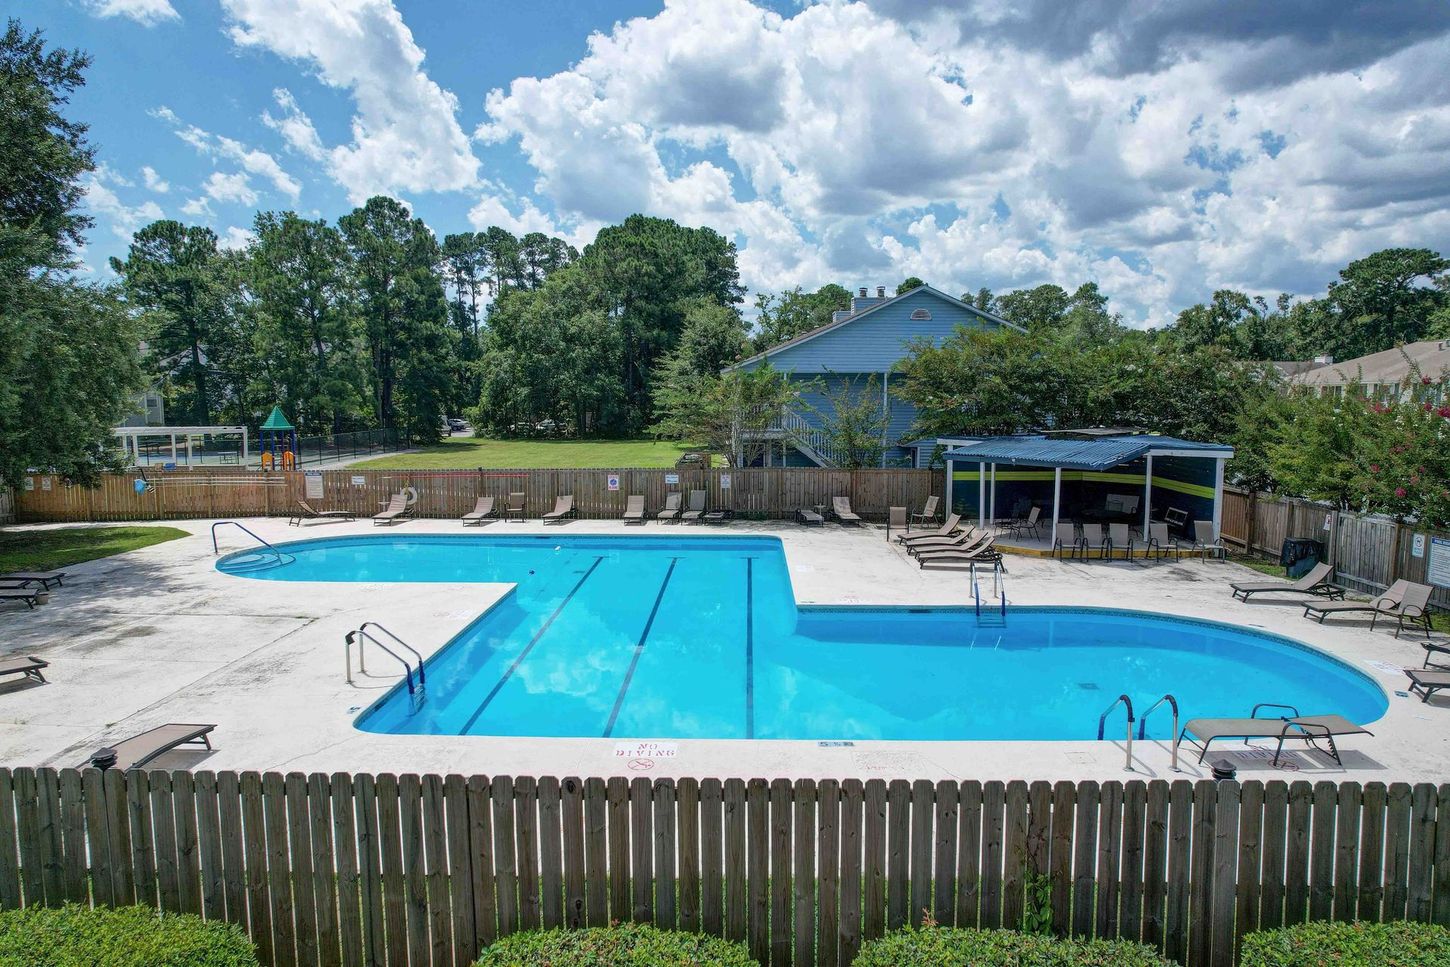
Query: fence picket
[969, 854]
[687, 832]
[571, 818]
[712, 857]
[828, 878]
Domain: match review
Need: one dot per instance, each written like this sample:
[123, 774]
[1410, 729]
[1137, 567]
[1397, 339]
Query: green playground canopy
[277, 421]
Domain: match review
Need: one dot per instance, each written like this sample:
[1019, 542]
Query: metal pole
[1056, 501]
[981, 494]
[1147, 497]
[993, 498]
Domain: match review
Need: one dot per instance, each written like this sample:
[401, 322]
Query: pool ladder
[362, 634]
[999, 589]
[1127, 703]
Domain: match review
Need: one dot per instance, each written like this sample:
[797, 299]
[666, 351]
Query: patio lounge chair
[841, 507]
[808, 516]
[514, 507]
[634, 509]
[945, 530]
[563, 509]
[1207, 539]
[1425, 683]
[696, 509]
[671, 509]
[1093, 536]
[26, 665]
[135, 752]
[1066, 538]
[43, 578]
[1387, 604]
[1120, 537]
[482, 511]
[981, 552]
[310, 513]
[1159, 537]
[1315, 582]
[928, 512]
[965, 538]
[1304, 727]
[396, 509]
[28, 595]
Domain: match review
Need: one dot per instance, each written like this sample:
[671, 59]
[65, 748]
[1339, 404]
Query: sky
[1162, 150]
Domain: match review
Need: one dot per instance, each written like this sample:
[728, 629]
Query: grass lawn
[466, 453]
[50, 550]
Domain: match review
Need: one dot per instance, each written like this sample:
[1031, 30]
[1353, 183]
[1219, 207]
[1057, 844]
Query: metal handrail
[254, 537]
[976, 591]
[373, 624]
[1143, 724]
[358, 635]
[1102, 722]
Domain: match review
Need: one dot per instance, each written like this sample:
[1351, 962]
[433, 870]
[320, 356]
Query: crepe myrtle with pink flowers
[1404, 448]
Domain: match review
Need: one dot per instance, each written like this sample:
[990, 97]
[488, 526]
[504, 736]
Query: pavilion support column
[992, 498]
[173, 448]
[1218, 464]
[1147, 496]
[981, 495]
[244, 446]
[951, 475]
[1056, 501]
[188, 449]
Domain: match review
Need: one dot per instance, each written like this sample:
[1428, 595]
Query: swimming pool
[700, 637]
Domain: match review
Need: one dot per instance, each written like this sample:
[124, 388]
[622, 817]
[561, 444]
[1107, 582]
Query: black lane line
[527, 648]
[639, 648]
[750, 647]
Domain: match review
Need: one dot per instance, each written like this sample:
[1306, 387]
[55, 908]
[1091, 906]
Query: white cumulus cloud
[154, 181]
[220, 147]
[144, 12]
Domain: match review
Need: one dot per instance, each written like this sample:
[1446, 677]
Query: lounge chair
[1120, 537]
[1315, 582]
[696, 509]
[397, 508]
[135, 752]
[808, 516]
[26, 665]
[308, 512]
[947, 529]
[634, 509]
[1093, 536]
[514, 507]
[1067, 537]
[928, 512]
[1159, 537]
[1207, 539]
[966, 538]
[563, 509]
[482, 511]
[1414, 607]
[1425, 683]
[841, 507]
[43, 578]
[1387, 604]
[28, 595]
[980, 552]
[671, 509]
[1305, 727]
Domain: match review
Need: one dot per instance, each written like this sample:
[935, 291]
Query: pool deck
[159, 635]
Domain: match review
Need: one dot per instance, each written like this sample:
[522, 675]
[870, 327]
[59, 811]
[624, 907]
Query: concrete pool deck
[159, 635]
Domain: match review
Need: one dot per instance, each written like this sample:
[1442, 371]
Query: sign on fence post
[613, 481]
[1417, 548]
[312, 481]
[1438, 568]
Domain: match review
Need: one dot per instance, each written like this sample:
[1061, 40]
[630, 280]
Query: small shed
[1081, 475]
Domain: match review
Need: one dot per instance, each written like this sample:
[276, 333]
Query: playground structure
[279, 442]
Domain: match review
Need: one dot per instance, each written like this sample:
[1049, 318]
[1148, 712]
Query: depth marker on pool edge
[527, 648]
[639, 648]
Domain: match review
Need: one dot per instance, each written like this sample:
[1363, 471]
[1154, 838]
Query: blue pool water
[700, 637]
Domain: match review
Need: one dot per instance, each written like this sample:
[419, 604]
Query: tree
[1040, 309]
[303, 307]
[788, 314]
[68, 351]
[911, 282]
[169, 275]
[726, 414]
[404, 312]
[853, 422]
[1379, 297]
[540, 256]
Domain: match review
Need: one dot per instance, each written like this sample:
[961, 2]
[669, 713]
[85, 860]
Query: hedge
[1348, 944]
[626, 945]
[77, 936]
[945, 947]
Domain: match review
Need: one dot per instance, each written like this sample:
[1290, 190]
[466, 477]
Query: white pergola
[129, 435]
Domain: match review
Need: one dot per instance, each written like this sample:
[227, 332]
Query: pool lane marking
[508, 673]
[750, 647]
[639, 648]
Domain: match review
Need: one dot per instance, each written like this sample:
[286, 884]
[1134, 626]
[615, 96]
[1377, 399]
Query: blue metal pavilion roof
[1094, 453]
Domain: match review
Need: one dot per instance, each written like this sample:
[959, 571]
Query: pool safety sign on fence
[613, 480]
[1438, 567]
[672, 478]
[724, 481]
[1417, 548]
[313, 481]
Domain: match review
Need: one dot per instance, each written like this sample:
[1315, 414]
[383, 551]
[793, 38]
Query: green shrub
[944, 947]
[626, 945]
[1352, 944]
[77, 936]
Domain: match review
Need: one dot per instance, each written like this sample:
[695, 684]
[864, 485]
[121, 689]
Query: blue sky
[1161, 150]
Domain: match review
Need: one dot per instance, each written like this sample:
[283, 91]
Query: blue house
[870, 338]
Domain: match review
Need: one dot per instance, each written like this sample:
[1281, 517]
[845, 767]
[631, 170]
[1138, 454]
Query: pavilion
[1107, 475]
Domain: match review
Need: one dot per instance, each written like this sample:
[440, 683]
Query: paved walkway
[159, 635]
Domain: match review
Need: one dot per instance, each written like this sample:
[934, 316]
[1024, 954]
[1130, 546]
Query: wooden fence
[7, 505]
[1369, 552]
[424, 870]
[756, 492]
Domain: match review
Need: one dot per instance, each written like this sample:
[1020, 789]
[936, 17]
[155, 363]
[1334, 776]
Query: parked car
[455, 425]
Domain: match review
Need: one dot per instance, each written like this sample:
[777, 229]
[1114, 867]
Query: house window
[920, 314]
